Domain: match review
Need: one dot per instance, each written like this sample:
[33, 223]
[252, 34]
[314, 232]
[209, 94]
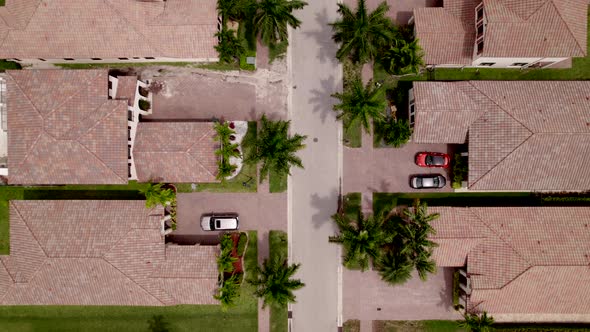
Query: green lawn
[352, 135]
[210, 318]
[352, 325]
[246, 181]
[277, 244]
[277, 182]
[352, 204]
[2, 2]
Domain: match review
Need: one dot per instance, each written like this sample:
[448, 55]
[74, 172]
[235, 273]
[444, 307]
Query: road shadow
[324, 208]
[445, 294]
[326, 47]
[322, 100]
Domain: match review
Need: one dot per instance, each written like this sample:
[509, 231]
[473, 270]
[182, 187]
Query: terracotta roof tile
[515, 28]
[110, 29]
[508, 124]
[63, 120]
[127, 88]
[531, 263]
[100, 253]
[175, 152]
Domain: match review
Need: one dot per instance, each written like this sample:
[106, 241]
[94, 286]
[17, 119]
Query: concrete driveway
[399, 10]
[257, 211]
[367, 297]
[203, 97]
[369, 169]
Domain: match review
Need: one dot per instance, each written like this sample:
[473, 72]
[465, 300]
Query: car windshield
[428, 160]
[217, 223]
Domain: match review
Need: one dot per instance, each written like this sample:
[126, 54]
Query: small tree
[229, 47]
[273, 17]
[228, 293]
[402, 57]
[362, 33]
[275, 148]
[393, 132]
[477, 322]
[361, 103]
[274, 283]
[158, 324]
[362, 239]
[395, 268]
[156, 195]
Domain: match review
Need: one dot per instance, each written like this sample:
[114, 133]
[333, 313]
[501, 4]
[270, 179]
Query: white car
[219, 222]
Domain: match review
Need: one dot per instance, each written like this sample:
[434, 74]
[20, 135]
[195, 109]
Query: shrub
[242, 244]
[455, 288]
[393, 132]
[228, 293]
[229, 47]
[460, 169]
[144, 105]
[155, 194]
[225, 151]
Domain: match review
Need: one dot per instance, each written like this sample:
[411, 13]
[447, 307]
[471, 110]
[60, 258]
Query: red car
[433, 159]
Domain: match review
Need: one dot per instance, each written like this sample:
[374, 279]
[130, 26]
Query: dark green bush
[393, 132]
[144, 105]
[460, 169]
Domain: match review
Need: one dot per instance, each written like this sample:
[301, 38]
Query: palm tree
[275, 148]
[156, 195]
[273, 16]
[477, 323]
[273, 281]
[228, 293]
[402, 57]
[361, 34]
[395, 268]
[419, 215]
[229, 47]
[225, 262]
[361, 103]
[236, 10]
[362, 239]
[425, 264]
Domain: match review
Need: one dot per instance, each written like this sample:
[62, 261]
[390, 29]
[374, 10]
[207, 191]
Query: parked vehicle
[433, 159]
[427, 181]
[219, 222]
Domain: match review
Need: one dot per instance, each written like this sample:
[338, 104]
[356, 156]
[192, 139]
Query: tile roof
[55, 29]
[127, 88]
[99, 253]
[175, 152]
[515, 28]
[509, 124]
[522, 261]
[64, 121]
[445, 34]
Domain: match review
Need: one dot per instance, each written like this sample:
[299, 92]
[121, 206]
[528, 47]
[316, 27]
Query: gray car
[427, 181]
[220, 222]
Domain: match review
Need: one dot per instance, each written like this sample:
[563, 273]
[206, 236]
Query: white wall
[507, 62]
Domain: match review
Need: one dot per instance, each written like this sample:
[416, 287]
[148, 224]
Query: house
[80, 127]
[503, 33]
[57, 31]
[519, 264]
[519, 135]
[100, 253]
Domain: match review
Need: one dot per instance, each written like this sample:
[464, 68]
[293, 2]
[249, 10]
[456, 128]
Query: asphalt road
[314, 191]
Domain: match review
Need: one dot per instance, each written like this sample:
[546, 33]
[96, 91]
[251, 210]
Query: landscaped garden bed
[230, 263]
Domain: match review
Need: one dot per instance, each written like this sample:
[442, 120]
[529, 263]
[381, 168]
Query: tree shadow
[326, 47]
[322, 100]
[324, 208]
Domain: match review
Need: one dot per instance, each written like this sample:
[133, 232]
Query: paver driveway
[369, 170]
[257, 211]
[367, 297]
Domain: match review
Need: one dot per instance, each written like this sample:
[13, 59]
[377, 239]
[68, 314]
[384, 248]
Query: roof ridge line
[195, 159]
[499, 237]
[122, 17]
[567, 26]
[504, 158]
[76, 93]
[25, 223]
[99, 120]
[135, 282]
[100, 160]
